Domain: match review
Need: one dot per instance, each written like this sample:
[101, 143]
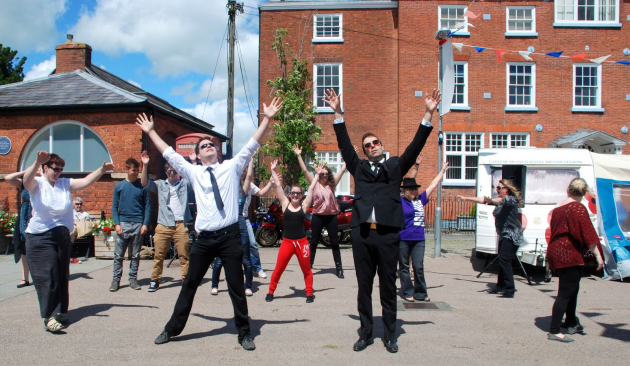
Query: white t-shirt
[253, 189]
[52, 206]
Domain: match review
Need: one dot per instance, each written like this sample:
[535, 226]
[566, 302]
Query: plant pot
[104, 245]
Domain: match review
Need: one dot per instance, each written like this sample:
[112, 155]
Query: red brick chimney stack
[73, 56]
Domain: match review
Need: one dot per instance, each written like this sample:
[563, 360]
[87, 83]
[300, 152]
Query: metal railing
[457, 216]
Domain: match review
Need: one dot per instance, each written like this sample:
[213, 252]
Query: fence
[457, 216]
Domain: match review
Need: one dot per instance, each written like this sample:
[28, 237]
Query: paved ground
[468, 327]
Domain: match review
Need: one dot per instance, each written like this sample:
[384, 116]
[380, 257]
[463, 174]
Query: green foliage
[8, 72]
[7, 219]
[297, 124]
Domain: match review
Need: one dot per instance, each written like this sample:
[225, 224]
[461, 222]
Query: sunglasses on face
[323, 175]
[56, 169]
[211, 144]
[295, 193]
[500, 188]
[169, 172]
[374, 143]
[78, 204]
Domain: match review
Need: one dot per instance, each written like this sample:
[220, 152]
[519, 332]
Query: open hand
[273, 108]
[297, 149]
[433, 100]
[333, 100]
[42, 157]
[320, 168]
[193, 157]
[144, 157]
[274, 164]
[106, 167]
[145, 123]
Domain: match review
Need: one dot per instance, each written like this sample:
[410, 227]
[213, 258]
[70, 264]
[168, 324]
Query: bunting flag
[448, 77]
[525, 55]
[624, 62]
[470, 25]
[471, 15]
[479, 49]
[599, 60]
[499, 53]
[579, 56]
[554, 54]
[458, 46]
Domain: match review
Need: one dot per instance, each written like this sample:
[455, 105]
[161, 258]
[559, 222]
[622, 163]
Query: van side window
[542, 186]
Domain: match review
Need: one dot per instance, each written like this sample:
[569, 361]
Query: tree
[297, 124]
[9, 73]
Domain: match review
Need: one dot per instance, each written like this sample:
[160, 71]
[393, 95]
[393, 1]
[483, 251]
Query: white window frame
[559, 14]
[82, 152]
[326, 109]
[510, 139]
[462, 32]
[598, 106]
[520, 33]
[464, 105]
[463, 181]
[520, 107]
[324, 39]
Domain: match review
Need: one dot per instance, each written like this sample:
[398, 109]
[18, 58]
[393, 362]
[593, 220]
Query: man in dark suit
[377, 216]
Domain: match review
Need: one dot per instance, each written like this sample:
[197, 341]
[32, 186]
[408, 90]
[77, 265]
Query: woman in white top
[48, 233]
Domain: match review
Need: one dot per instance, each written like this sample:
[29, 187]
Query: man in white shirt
[217, 188]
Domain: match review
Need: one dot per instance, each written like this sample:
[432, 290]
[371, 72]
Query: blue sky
[168, 48]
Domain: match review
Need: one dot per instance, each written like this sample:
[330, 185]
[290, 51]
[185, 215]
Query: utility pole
[233, 7]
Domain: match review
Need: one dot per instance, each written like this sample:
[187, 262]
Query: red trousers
[302, 251]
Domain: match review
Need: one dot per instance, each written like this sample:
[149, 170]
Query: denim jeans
[247, 264]
[253, 248]
[414, 249]
[131, 239]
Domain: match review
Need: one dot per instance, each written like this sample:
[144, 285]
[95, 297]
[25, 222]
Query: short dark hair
[54, 160]
[367, 134]
[166, 166]
[132, 162]
[202, 138]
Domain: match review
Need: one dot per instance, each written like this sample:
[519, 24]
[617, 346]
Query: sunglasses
[374, 143]
[324, 174]
[169, 172]
[295, 193]
[201, 147]
[56, 169]
[78, 204]
[500, 188]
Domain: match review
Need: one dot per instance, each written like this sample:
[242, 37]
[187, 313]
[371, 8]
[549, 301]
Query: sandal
[52, 325]
[426, 299]
[410, 299]
[23, 283]
[62, 319]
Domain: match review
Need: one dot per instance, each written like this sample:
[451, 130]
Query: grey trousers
[131, 239]
[49, 261]
[415, 249]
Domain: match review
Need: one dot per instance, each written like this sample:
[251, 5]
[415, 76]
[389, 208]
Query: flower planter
[104, 245]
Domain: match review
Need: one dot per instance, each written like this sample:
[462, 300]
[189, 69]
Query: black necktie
[215, 190]
[375, 167]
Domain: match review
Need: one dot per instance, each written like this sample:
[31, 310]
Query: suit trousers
[566, 301]
[376, 251]
[225, 243]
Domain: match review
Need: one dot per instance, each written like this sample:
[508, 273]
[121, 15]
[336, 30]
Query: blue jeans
[414, 249]
[253, 248]
[131, 239]
[247, 263]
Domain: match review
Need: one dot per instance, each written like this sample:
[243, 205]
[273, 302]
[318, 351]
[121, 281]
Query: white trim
[510, 136]
[598, 106]
[466, 82]
[575, 24]
[327, 40]
[520, 32]
[463, 154]
[585, 23]
[532, 95]
[317, 39]
[519, 108]
[464, 31]
[49, 130]
[316, 5]
[315, 65]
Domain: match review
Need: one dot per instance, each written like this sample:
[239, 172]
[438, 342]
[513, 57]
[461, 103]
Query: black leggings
[507, 251]
[318, 222]
[566, 302]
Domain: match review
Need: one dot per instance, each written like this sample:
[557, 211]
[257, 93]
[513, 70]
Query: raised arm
[298, 152]
[340, 173]
[144, 177]
[308, 200]
[279, 191]
[437, 179]
[424, 130]
[263, 191]
[249, 176]
[414, 170]
[147, 125]
[79, 184]
[473, 199]
[269, 112]
[14, 179]
[346, 148]
[29, 174]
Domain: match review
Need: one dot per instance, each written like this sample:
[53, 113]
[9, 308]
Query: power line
[248, 94]
[214, 73]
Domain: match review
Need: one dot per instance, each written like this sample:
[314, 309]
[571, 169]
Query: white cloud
[29, 25]
[42, 69]
[134, 83]
[216, 114]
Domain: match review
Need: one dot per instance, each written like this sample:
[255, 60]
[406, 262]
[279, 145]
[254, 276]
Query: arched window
[77, 144]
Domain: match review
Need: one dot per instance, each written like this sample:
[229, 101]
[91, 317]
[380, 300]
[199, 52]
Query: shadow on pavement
[78, 314]
[255, 325]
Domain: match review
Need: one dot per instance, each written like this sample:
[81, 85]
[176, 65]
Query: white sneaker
[248, 292]
[261, 274]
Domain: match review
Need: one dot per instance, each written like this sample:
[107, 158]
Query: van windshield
[542, 186]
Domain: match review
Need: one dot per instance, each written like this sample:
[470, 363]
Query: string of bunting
[499, 52]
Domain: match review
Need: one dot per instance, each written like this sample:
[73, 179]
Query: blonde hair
[578, 187]
[513, 191]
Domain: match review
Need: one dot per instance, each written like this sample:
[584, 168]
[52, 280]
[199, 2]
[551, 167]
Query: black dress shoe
[362, 344]
[390, 346]
[164, 337]
[496, 291]
[507, 295]
[310, 299]
[247, 343]
[340, 273]
[269, 298]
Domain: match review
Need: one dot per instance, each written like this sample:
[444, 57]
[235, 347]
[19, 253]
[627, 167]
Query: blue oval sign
[5, 145]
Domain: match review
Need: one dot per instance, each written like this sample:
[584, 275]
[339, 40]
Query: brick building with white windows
[382, 57]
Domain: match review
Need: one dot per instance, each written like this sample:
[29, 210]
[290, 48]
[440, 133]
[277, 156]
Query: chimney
[73, 56]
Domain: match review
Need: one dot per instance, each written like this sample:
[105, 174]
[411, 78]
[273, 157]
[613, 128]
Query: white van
[543, 176]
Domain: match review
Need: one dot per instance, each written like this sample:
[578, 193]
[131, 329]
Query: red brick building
[383, 57]
[86, 115]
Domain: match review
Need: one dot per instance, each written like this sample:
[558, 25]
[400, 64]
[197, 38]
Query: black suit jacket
[379, 191]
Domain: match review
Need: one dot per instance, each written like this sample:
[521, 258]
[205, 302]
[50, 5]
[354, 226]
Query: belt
[373, 226]
[207, 234]
[179, 221]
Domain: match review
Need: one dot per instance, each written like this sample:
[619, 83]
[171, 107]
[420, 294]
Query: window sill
[459, 183]
[587, 110]
[521, 34]
[461, 34]
[460, 107]
[590, 24]
[515, 108]
[325, 110]
[327, 40]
